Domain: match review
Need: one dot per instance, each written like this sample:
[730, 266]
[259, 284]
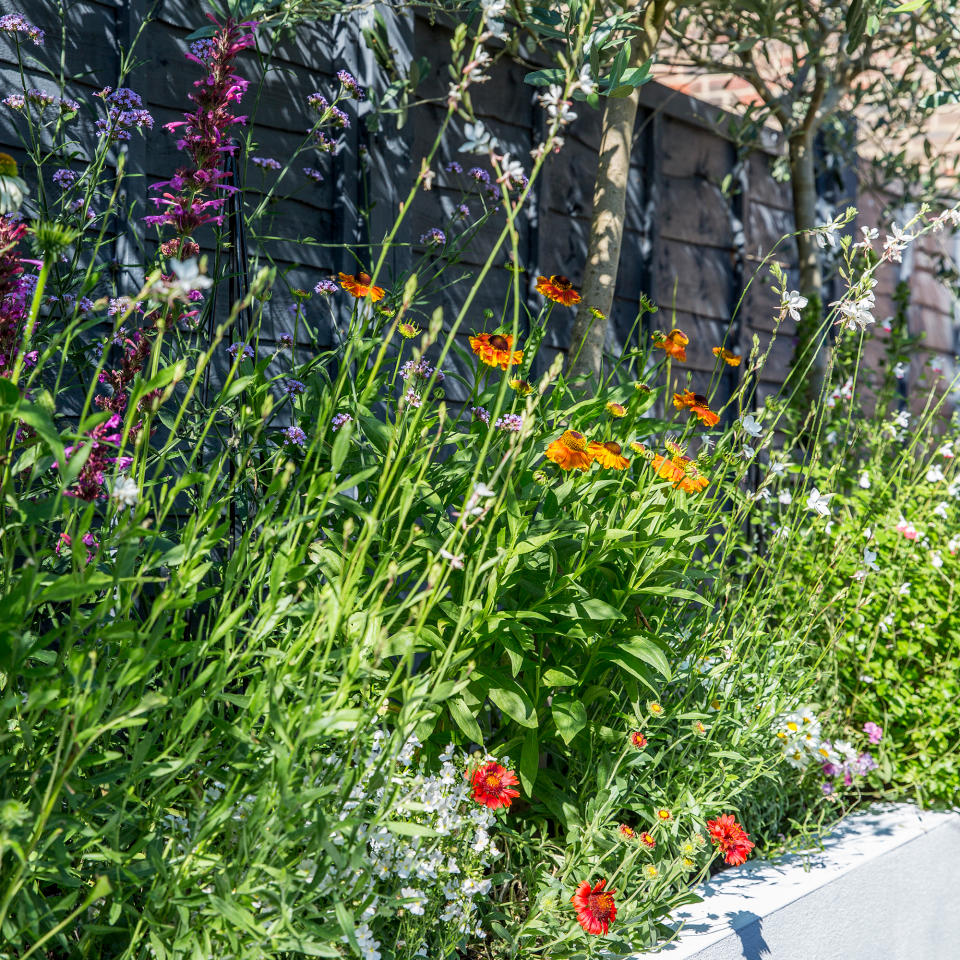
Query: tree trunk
[609, 200]
[804, 186]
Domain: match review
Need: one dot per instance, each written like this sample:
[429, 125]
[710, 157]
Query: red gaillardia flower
[361, 285]
[728, 356]
[638, 739]
[627, 831]
[492, 785]
[569, 451]
[730, 839]
[647, 840]
[495, 349]
[596, 908]
[609, 454]
[674, 343]
[698, 405]
[558, 289]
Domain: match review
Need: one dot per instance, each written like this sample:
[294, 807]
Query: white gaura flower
[748, 453]
[864, 481]
[904, 590]
[585, 82]
[819, 503]
[479, 138]
[896, 242]
[936, 559]
[125, 492]
[455, 560]
[778, 468]
[869, 235]
[786, 498]
[793, 303]
[946, 451]
[870, 559]
[868, 534]
[901, 419]
[857, 312]
[512, 170]
[935, 474]
[826, 234]
[940, 510]
[900, 370]
[782, 532]
[750, 426]
[557, 108]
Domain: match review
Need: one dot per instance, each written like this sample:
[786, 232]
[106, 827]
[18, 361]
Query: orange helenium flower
[361, 285]
[558, 289]
[609, 454]
[493, 785]
[616, 409]
[522, 387]
[569, 451]
[495, 349]
[674, 343]
[727, 356]
[680, 471]
[596, 908]
[730, 839]
[407, 329]
[698, 405]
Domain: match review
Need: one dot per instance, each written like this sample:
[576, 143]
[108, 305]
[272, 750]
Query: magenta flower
[873, 731]
[103, 441]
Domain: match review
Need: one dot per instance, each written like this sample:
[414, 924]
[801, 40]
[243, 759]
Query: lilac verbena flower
[286, 341]
[235, 348]
[339, 420]
[509, 421]
[315, 175]
[325, 144]
[412, 398]
[16, 101]
[865, 763]
[202, 50]
[420, 368]
[295, 435]
[453, 167]
[873, 731]
[478, 174]
[434, 236]
[14, 23]
[266, 163]
[339, 118]
[40, 98]
[326, 286]
[124, 113]
[65, 178]
[479, 413]
[293, 388]
[319, 102]
[463, 211]
[349, 83]
[119, 305]
[68, 105]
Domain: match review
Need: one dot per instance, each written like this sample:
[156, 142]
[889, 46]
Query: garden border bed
[885, 878]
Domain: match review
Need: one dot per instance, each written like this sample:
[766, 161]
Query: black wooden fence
[689, 244]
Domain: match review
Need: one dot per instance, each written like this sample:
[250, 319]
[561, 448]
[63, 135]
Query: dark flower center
[601, 905]
[499, 343]
[613, 447]
[700, 399]
[561, 282]
[363, 279]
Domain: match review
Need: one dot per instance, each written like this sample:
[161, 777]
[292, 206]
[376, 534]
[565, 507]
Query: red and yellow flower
[730, 839]
[523, 387]
[569, 451]
[664, 815]
[626, 831]
[647, 840]
[596, 907]
[728, 356]
[495, 349]
[609, 454]
[680, 470]
[558, 289]
[493, 785]
[361, 285]
[673, 343]
[638, 739]
[698, 405]
[616, 409]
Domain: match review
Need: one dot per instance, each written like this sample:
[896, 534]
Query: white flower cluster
[436, 876]
[799, 736]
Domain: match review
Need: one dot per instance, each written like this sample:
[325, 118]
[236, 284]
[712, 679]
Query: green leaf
[512, 699]
[569, 714]
[529, 762]
[543, 78]
[559, 677]
[464, 719]
[647, 649]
